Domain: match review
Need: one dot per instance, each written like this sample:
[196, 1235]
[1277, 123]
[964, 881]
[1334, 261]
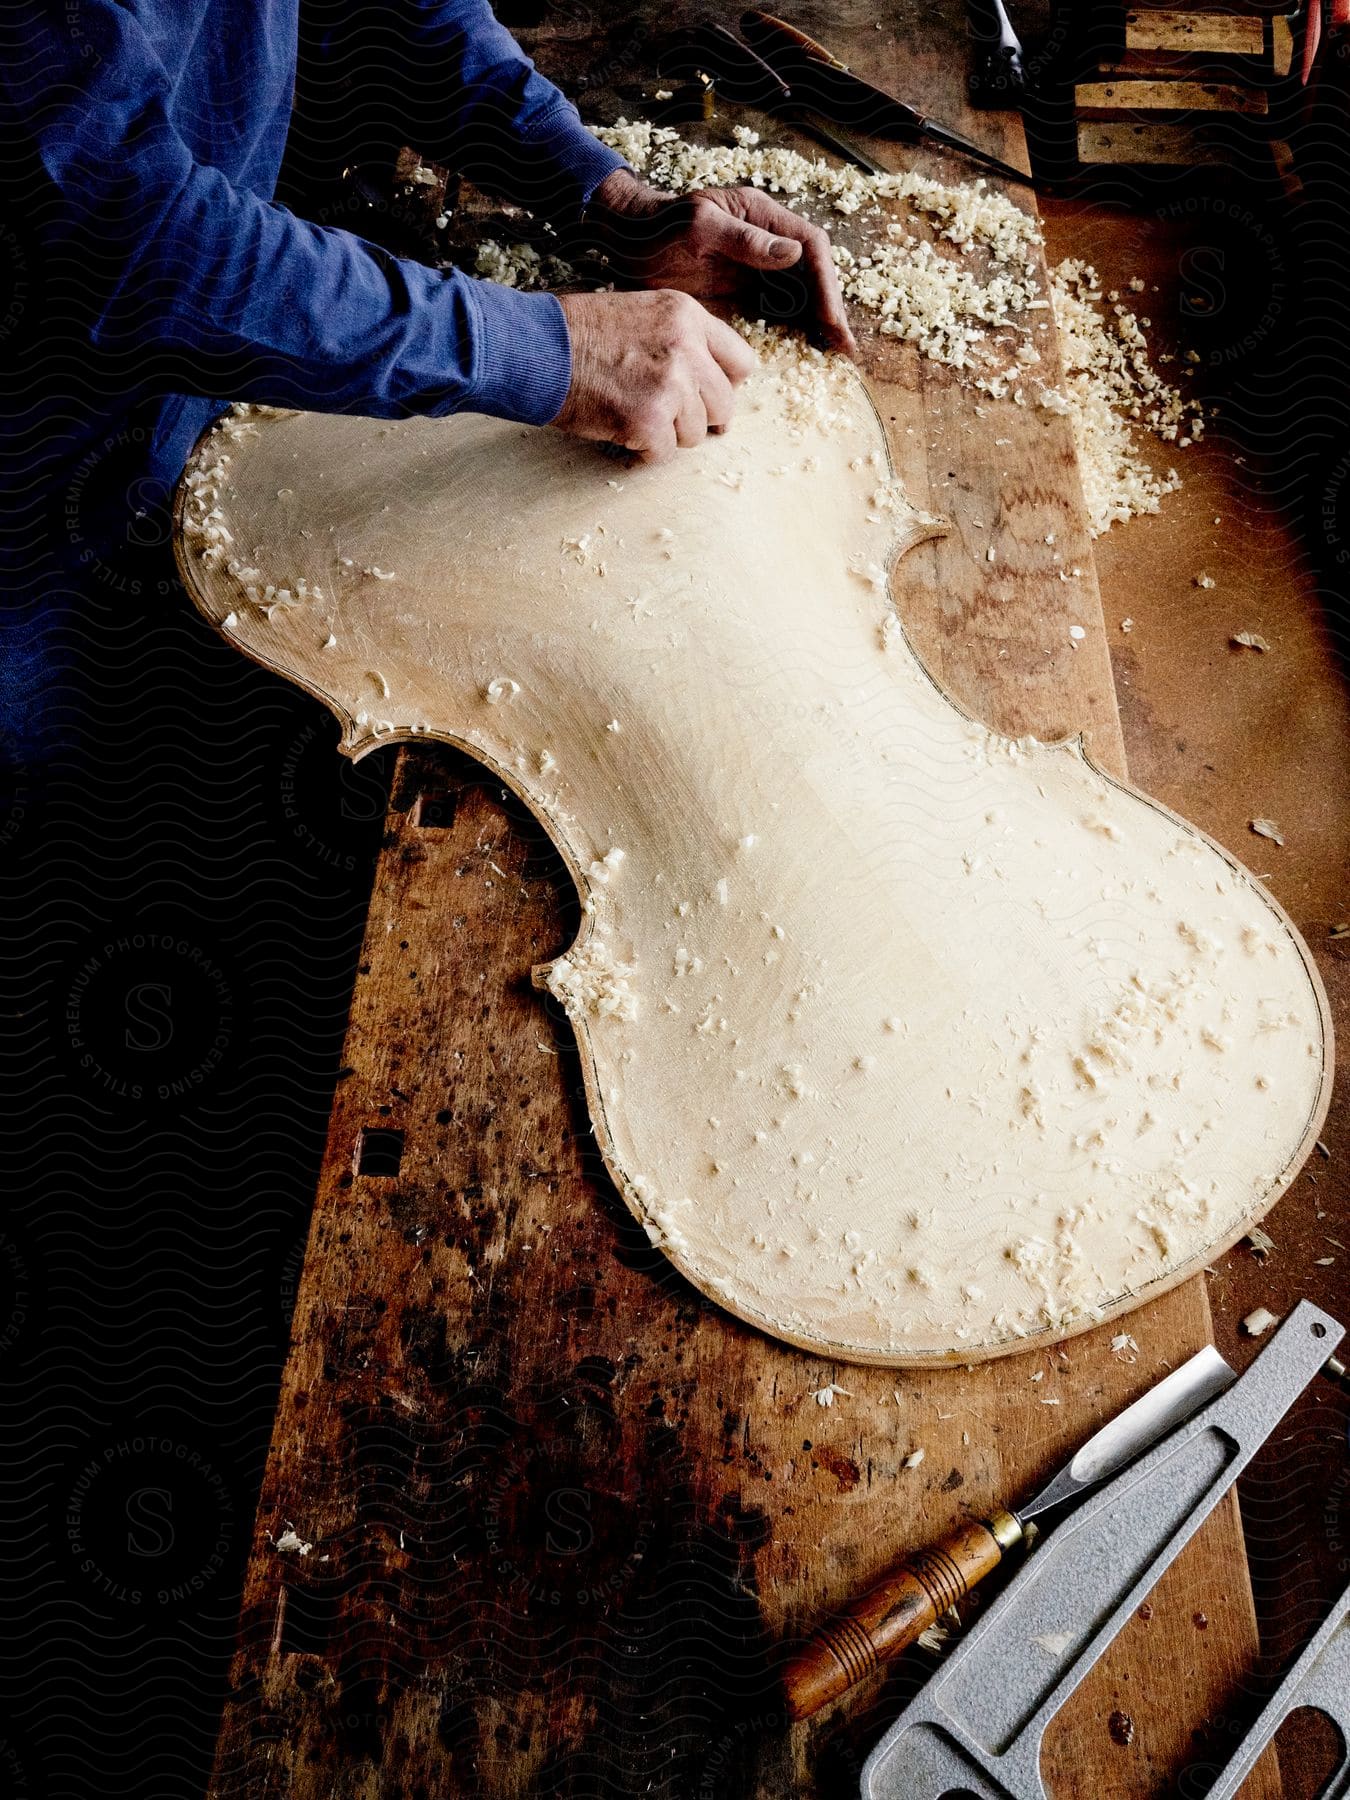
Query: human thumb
[756, 248]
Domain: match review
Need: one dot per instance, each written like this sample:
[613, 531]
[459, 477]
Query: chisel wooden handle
[793, 52]
[769, 35]
[889, 1618]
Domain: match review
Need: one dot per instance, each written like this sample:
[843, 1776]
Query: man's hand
[651, 372]
[715, 242]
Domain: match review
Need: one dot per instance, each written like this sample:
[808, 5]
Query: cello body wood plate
[908, 1042]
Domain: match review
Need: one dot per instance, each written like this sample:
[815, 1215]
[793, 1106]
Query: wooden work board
[564, 1513]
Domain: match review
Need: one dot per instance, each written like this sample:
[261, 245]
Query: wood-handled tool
[915, 1595]
[741, 76]
[819, 79]
[980, 1723]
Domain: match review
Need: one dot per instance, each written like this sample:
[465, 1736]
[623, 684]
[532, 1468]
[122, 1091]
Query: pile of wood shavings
[813, 386]
[1109, 387]
[950, 308]
[966, 216]
[930, 299]
[520, 266]
[593, 980]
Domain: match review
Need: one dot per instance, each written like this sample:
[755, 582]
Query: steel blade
[1173, 1400]
[952, 140]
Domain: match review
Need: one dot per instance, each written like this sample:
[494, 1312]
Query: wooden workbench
[562, 1511]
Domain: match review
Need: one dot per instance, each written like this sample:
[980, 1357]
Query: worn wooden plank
[1161, 143]
[1195, 33]
[1281, 45]
[562, 1510]
[1109, 99]
[1209, 726]
[1240, 48]
[1163, 64]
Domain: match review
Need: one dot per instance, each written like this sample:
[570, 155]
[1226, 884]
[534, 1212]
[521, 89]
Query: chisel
[818, 78]
[913, 1596]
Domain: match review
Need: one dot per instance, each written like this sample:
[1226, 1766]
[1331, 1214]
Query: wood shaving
[1110, 391]
[1260, 1242]
[1260, 1321]
[1266, 828]
[592, 980]
[604, 868]
[520, 266]
[953, 292]
[826, 1395]
[1249, 640]
[813, 385]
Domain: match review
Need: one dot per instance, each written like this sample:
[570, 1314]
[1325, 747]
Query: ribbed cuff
[523, 355]
[579, 161]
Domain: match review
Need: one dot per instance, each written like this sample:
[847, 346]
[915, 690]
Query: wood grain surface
[564, 1514]
[562, 1511]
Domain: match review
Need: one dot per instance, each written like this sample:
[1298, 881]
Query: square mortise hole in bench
[436, 812]
[379, 1151]
[310, 1619]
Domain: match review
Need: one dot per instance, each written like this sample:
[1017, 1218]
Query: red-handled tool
[1338, 19]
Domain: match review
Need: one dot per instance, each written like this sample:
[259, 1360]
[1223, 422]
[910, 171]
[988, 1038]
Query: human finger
[729, 350]
[652, 438]
[742, 241]
[691, 421]
[818, 265]
[718, 396]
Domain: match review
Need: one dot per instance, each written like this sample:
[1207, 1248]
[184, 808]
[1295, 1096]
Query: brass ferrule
[1006, 1529]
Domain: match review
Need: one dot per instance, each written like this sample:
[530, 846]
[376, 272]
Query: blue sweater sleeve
[460, 88]
[179, 281]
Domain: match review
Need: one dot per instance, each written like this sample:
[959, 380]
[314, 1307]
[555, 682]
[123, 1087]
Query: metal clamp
[976, 1729]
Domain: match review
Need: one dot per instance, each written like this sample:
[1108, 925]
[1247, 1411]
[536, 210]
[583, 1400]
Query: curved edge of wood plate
[355, 745]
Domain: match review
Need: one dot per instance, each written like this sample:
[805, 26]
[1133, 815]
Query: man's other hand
[651, 372]
[715, 242]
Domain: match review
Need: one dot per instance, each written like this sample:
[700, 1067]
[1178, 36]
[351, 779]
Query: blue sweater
[140, 145]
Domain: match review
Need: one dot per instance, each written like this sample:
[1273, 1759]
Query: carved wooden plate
[908, 1042]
